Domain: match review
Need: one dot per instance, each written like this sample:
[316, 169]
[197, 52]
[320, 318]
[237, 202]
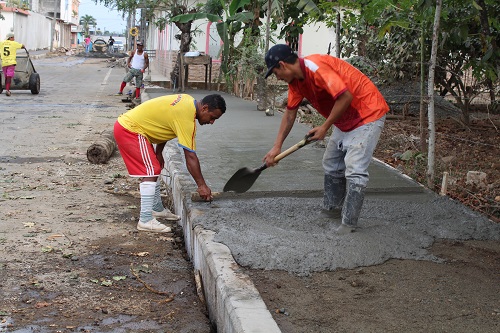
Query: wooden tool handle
[195, 196]
[295, 147]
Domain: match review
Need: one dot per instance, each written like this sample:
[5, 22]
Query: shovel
[244, 178]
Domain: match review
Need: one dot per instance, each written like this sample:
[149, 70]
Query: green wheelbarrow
[25, 75]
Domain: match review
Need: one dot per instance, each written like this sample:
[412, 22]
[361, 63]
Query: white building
[41, 22]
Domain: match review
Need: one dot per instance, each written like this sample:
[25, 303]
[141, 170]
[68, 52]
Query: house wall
[315, 39]
[35, 29]
[24, 25]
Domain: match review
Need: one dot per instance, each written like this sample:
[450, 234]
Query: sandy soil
[458, 295]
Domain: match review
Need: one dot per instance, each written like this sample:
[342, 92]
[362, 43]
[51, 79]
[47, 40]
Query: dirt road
[71, 259]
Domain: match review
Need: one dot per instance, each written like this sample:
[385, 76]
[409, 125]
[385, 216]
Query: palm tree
[87, 21]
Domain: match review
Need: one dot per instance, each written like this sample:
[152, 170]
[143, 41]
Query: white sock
[147, 190]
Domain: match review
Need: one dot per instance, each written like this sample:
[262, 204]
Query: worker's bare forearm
[194, 168]
[286, 125]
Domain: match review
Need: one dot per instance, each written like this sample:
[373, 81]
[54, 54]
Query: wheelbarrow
[25, 75]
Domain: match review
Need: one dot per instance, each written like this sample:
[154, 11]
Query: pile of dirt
[459, 150]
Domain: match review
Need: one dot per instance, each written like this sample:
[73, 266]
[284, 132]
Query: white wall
[33, 30]
[316, 39]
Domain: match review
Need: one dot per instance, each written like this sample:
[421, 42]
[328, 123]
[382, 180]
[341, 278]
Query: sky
[106, 19]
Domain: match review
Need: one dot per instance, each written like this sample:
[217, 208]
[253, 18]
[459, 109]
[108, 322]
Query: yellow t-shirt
[164, 118]
[8, 49]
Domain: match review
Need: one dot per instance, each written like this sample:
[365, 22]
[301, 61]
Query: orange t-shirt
[326, 78]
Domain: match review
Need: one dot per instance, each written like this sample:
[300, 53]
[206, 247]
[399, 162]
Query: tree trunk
[261, 93]
[430, 93]
[185, 45]
[423, 100]
[261, 81]
[337, 34]
[483, 15]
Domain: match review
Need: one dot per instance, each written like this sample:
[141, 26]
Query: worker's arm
[130, 59]
[193, 166]
[146, 61]
[287, 122]
[340, 106]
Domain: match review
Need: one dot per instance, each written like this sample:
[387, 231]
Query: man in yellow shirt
[157, 121]
[8, 52]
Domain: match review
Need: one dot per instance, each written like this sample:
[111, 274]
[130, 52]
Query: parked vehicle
[118, 46]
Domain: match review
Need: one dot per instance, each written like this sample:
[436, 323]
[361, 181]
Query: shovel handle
[295, 147]
[282, 155]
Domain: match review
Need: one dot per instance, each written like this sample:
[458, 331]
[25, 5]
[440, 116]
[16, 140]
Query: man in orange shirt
[350, 102]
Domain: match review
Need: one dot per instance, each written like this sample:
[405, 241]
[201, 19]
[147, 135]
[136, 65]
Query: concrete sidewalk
[273, 225]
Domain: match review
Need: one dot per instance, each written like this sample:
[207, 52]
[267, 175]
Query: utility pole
[53, 27]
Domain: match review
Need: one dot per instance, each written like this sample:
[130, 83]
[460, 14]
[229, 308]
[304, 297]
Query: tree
[87, 21]
[468, 61]
[430, 96]
[244, 17]
[389, 35]
[231, 20]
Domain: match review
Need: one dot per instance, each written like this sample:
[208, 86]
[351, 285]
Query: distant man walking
[137, 63]
[111, 42]
[8, 49]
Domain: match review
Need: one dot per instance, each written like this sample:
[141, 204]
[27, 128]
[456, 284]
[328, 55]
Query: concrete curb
[233, 302]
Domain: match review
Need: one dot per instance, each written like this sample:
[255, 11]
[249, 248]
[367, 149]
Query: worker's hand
[269, 158]
[205, 193]
[317, 133]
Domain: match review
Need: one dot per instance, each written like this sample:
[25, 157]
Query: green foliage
[215, 7]
[86, 21]
[247, 62]
[234, 20]
[466, 47]
[385, 36]
[293, 15]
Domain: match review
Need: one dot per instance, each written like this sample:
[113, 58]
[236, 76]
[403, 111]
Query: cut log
[100, 151]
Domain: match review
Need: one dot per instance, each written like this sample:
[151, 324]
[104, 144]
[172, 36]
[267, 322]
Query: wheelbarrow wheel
[34, 83]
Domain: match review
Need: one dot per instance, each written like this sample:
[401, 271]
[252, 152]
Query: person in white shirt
[137, 63]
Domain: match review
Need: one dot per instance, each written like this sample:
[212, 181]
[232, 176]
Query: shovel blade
[242, 180]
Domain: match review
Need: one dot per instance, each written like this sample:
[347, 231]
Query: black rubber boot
[353, 202]
[333, 199]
